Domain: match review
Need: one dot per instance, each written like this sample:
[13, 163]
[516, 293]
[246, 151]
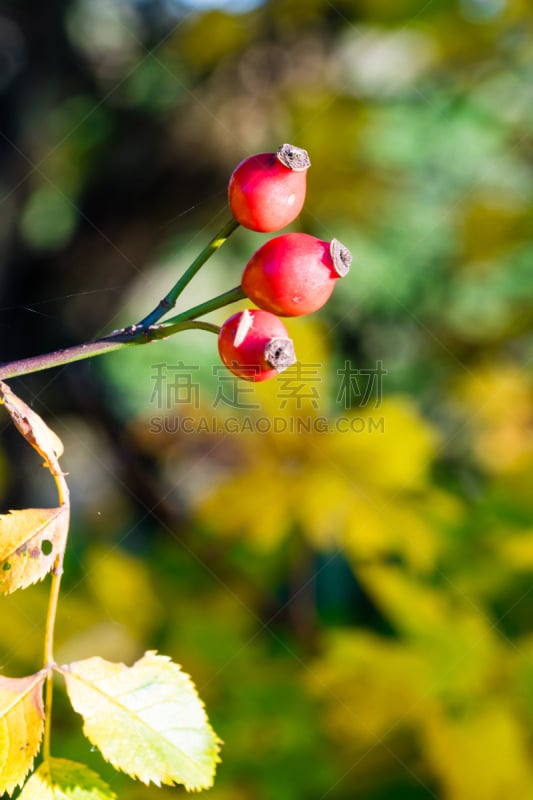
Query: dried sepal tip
[341, 257]
[279, 353]
[294, 158]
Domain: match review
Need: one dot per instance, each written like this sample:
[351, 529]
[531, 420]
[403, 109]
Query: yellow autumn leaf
[366, 535]
[30, 540]
[482, 753]
[390, 447]
[147, 720]
[21, 727]
[323, 500]
[382, 682]
[415, 608]
[335, 487]
[516, 549]
[497, 402]
[255, 505]
[379, 526]
[60, 779]
[457, 638]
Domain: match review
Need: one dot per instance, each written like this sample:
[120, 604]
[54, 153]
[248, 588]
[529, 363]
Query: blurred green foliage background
[344, 566]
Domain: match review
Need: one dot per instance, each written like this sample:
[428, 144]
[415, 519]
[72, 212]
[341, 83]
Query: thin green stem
[221, 300]
[48, 655]
[169, 301]
[167, 329]
[57, 572]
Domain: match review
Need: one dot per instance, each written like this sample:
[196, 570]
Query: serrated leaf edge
[46, 767]
[60, 510]
[66, 669]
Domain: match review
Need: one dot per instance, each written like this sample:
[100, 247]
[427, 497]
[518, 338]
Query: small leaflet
[61, 779]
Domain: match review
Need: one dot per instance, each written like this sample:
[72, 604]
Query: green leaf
[60, 779]
[30, 541]
[21, 727]
[147, 720]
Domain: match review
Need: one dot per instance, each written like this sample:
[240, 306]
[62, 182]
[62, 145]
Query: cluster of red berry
[290, 275]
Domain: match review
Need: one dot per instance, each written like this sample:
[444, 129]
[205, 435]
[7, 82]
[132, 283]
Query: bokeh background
[342, 559]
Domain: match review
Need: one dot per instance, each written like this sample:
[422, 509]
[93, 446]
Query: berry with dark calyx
[294, 273]
[266, 192]
[255, 345]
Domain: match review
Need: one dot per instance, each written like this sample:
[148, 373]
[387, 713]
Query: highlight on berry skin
[266, 192]
[294, 273]
[254, 345]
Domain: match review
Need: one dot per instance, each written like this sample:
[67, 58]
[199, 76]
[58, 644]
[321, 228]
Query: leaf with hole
[30, 540]
[147, 720]
[21, 727]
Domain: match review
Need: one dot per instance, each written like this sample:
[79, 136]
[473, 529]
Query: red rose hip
[295, 273]
[255, 345]
[266, 192]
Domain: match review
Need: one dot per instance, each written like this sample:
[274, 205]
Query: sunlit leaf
[21, 727]
[60, 779]
[147, 720]
[30, 540]
[383, 684]
[497, 400]
[31, 426]
[379, 525]
[494, 745]
[456, 636]
[362, 446]
[324, 500]
[234, 509]
[517, 550]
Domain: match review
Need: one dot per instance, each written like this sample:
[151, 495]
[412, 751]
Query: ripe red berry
[266, 192]
[255, 345]
[294, 273]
